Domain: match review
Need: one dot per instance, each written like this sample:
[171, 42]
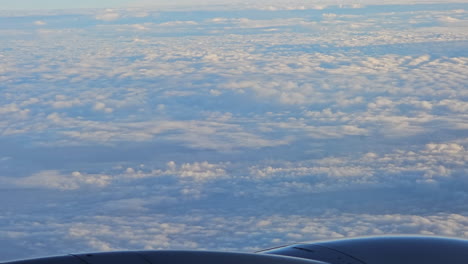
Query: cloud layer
[139, 128]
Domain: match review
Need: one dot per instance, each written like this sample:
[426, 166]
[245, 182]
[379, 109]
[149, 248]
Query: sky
[60, 4]
[235, 126]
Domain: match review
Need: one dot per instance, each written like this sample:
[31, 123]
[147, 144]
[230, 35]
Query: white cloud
[9, 109]
[40, 23]
[345, 110]
[197, 171]
[211, 57]
[55, 180]
[64, 103]
[432, 164]
[448, 149]
[204, 230]
[108, 15]
[179, 23]
[201, 171]
[448, 19]
[455, 105]
[100, 106]
[140, 27]
[269, 5]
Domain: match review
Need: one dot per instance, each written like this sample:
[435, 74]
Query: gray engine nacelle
[370, 250]
[381, 250]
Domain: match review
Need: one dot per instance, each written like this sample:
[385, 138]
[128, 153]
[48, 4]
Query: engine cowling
[381, 250]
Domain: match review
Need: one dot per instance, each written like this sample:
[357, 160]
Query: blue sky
[234, 128]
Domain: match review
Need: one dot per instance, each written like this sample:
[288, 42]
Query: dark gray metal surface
[51, 260]
[310, 251]
[404, 250]
[370, 250]
[382, 250]
[169, 257]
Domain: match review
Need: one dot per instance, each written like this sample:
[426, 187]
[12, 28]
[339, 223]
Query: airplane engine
[381, 250]
[368, 250]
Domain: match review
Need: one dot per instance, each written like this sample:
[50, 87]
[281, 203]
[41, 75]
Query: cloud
[271, 5]
[56, 180]
[449, 149]
[62, 101]
[178, 23]
[100, 106]
[108, 15]
[197, 171]
[40, 23]
[249, 233]
[448, 19]
[435, 163]
[231, 131]
[9, 109]
[455, 105]
[217, 134]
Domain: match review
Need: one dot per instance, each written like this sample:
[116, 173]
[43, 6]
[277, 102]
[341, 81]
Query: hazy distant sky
[65, 4]
[60, 4]
[234, 127]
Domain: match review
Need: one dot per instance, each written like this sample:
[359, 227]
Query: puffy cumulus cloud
[13, 109]
[386, 69]
[57, 180]
[357, 85]
[191, 180]
[448, 149]
[324, 124]
[62, 101]
[197, 171]
[229, 232]
[253, 23]
[100, 106]
[200, 171]
[139, 27]
[332, 171]
[135, 12]
[40, 23]
[443, 224]
[226, 138]
[433, 163]
[103, 234]
[222, 135]
[111, 15]
[441, 165]
[331, 226]
[178, 23]
[362, 115]
[436, 163]
[455, 105]
[13, 114]
[108, 15]
[405, 116]
[452, 20]
[286, 92]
